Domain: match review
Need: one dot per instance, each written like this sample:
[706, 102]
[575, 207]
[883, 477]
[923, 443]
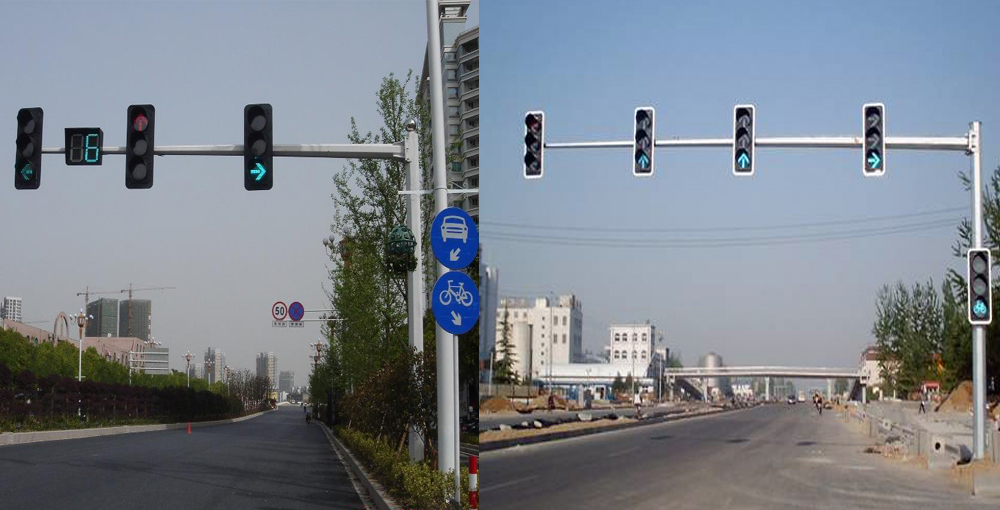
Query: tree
[503, 367]
[840, 386]
[629, 382]
[909, 329]
[618, 386]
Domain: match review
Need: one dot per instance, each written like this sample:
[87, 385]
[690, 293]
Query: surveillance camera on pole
[873, 118]
[645, 138]
[534, 145]
[980, 302]
[744, 139]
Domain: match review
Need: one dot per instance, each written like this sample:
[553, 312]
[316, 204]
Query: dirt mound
[496, 405]
[959, 400]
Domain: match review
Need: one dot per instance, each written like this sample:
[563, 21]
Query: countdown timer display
[83, 146]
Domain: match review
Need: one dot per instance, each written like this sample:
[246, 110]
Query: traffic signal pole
[978, 331]
[970, 144]
[447, 346]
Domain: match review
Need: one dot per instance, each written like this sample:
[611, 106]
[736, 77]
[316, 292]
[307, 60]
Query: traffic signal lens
[873, 117]
[26, 147]
[979, 285]
[140, 122]
[139, 171]
[533, 123]
[978, 263]
[139, 147]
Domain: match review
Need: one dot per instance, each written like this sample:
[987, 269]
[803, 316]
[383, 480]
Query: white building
[11, 309]
[543, 332]
[631, 347]
[488, 303]
[460, 65]
[267, 366]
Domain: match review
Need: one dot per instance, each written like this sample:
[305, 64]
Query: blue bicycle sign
[456, 302]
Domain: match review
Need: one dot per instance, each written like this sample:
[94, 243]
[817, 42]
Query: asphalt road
[269, 462]
[768, 457]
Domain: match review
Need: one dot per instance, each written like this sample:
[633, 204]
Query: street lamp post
[493, 353]
[187, 367]
[81, 320]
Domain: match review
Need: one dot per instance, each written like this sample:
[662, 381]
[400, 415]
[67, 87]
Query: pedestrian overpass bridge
[764, 371]
[683, 375]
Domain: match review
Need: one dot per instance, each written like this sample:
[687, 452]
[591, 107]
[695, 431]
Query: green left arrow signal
[27, 172]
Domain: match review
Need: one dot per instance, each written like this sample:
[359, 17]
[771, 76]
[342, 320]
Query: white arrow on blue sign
[455, 302]
[454, 238]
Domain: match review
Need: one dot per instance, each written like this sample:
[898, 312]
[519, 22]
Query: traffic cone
[189, 428]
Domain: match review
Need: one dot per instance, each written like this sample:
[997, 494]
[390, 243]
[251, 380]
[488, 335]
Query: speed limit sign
[279, 311]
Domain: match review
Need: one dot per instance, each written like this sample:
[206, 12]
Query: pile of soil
[959, 400]
[496, 405]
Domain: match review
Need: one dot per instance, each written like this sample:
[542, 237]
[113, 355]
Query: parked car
[792, 399]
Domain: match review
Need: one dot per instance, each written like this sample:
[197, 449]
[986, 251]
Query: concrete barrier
[12, 438]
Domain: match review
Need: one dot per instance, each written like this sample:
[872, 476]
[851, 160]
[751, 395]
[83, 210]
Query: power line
[871, 219]
[723, 242]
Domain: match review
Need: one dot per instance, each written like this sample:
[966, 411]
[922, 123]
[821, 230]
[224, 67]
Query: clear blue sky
[230, 253]
[808, 67]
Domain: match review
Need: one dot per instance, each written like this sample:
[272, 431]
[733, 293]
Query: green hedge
[417, 486]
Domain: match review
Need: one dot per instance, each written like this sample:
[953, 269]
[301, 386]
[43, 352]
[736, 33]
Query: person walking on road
[637, 401]
[923, 403]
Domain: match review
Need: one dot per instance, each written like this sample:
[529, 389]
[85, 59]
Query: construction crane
[130, 290]
[87, 293]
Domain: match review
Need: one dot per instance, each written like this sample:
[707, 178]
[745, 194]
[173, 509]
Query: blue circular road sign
[455, 302]
[454, 238]
[295, 311]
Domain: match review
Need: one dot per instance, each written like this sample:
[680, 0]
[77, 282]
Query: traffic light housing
[28, 159]
[744, 139]
[873, 118]
[645, 139]
[258, 147]
[534, 145]
[139, 146]
[980, 282]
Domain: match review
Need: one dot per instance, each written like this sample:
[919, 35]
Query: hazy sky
[230, 253]
[808, 67]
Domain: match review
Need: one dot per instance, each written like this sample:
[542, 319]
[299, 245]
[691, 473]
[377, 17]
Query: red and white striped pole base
[473, 482]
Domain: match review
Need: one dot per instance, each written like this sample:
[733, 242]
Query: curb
[12, 438]
[544, 438]
[374, 489]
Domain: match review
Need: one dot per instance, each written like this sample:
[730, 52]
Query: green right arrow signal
[259, 171]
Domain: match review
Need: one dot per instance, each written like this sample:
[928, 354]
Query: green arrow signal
[27, 171]
[259, 171]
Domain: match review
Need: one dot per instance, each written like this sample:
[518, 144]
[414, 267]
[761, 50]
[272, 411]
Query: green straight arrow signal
[743, 160]
[259, 171]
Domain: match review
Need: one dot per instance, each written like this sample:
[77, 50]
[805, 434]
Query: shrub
[412, 485]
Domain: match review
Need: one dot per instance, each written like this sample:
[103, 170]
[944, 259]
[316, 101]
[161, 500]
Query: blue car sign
[454, 238]
[455, 302]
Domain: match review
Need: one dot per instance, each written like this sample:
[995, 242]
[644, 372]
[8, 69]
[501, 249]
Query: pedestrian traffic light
[534, 145]
[980, 281]
[258, 149]
[139, 148]
[744, 139]
[874, 132]
[28, 159]
[645, 138]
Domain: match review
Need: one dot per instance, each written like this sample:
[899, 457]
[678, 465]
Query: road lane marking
[624, 452]
[506, 484]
